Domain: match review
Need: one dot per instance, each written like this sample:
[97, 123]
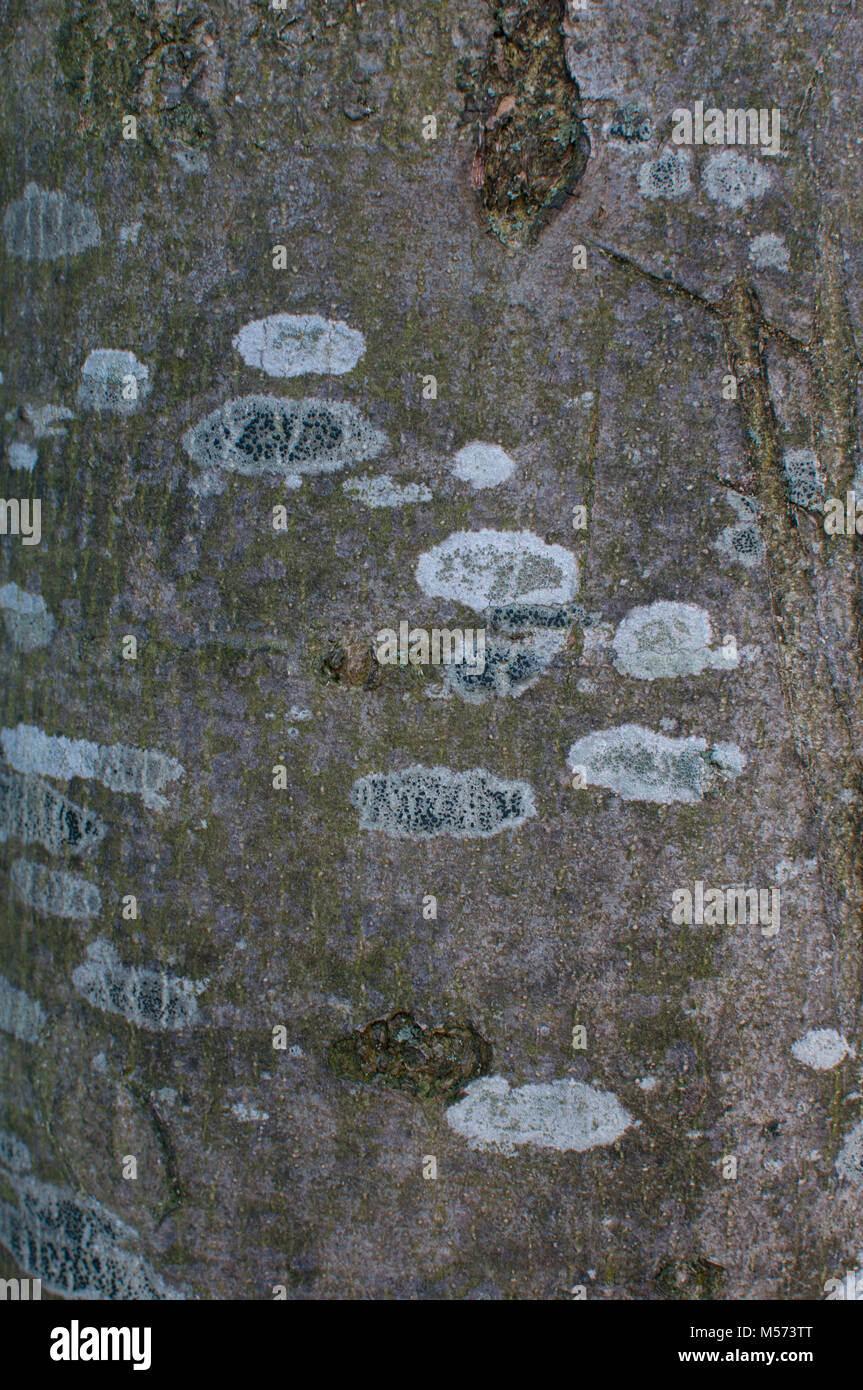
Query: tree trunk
[330, 967]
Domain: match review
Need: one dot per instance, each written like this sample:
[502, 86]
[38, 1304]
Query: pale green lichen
[422, 802]
[45, 226]
[28, 622]
[485, 567]
[22, 1017]
[640, 765]
[142, 770]
[256, 435]
[665, 640]
[54, 892]
[565, 1115]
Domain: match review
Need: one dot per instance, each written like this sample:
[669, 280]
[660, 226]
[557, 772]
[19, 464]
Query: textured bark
[283, 1096]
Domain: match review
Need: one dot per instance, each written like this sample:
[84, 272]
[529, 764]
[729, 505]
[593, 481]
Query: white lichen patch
[32, 812]
[510, 667]
[20, 1015]
[22, 456]
[113, 380]
[425, 801]
[14, 1154]
[383, 491]
[147, 998]
[44, 420]
[733, 179]
[768, 251]
[482, 465]
[727, 759]
[76, 1246]
[296, 344]
[256, 435]
[640, 765]
[741, 543]
[117, 766]
[667, 176]
[129, 233]
[54, 892]
[664, 640]
[247, 1114]
[43, 226]
[29, 625]
[565, 1115]
[849, 1163]
[482, 568]
[822, 1049]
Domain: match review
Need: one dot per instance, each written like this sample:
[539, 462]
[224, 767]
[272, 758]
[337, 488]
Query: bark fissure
[813, 580]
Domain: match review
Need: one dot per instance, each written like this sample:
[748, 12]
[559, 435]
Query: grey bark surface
[265, 1170]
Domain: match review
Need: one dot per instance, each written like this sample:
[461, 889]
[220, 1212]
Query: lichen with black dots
[631, 124]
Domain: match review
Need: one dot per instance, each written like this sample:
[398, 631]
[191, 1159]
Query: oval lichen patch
[664, 639]
[44, 225]
[485, 568]
[256, 435]
[563, 1115]
[640, 765]
[425, 801]
[295, 344]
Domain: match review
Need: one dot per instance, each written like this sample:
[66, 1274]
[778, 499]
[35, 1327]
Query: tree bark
[327, 976]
